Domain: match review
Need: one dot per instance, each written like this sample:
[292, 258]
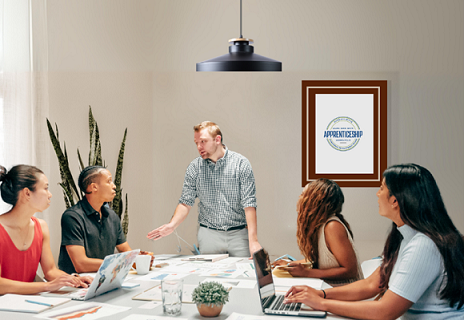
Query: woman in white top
[324, 236]
[422, 273]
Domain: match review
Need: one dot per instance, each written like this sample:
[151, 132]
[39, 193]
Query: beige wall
[134, 62]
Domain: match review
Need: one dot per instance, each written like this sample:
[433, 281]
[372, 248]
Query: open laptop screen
[264, 273]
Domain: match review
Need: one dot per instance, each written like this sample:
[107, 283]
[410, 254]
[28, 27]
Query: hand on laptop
[67, 280]
[304, 294]
[84, 281]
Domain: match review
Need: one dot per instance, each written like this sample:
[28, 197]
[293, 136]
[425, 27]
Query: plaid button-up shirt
[224, 189]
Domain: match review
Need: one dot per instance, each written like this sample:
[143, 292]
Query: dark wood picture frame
[379, 91]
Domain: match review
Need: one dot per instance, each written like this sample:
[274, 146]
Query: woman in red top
[24, 239]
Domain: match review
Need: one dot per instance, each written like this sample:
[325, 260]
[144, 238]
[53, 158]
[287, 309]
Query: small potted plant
[209, 297]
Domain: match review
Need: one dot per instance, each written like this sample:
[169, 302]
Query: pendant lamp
[240, 57]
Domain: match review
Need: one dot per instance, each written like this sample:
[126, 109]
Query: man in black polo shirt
[90, 230]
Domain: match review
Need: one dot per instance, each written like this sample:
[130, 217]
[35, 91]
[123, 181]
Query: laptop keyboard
[280, 306]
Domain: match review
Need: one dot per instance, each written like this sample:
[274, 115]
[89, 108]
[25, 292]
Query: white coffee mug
[142, 264]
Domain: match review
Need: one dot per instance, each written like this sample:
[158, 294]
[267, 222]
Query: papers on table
[158, 276]
[166, 256]
[240, 316]
[150, 305]
[86, 310]
[206, 257]
[155, 293]
[147, 317]
[130, 285]
[224, 273]
[28, 303]
[248, 269]
[236, 283]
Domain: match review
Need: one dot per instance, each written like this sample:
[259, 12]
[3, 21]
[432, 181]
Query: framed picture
[344, 128]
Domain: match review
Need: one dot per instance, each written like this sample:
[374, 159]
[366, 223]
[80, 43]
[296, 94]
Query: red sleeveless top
[20, 265]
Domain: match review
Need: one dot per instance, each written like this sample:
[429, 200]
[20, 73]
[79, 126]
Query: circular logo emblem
[343, 133]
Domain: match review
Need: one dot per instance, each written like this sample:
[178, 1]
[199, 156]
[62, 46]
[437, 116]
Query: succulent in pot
[210, 296]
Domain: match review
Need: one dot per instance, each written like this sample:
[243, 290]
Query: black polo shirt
[81, 225]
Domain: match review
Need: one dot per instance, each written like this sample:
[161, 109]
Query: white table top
[245, 301]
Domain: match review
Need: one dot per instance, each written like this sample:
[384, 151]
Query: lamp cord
[241, 36]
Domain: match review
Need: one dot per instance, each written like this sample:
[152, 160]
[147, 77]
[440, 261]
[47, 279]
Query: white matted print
[344, 133]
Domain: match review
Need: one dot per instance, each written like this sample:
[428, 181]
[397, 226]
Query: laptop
[270, 302]
[110, 276]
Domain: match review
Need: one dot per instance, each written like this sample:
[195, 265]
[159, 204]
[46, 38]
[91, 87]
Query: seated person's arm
[19, 287]
[51, 272]
[123, 247]
[339, 244]
[80, 260]
[391, 306]
[359, 290]
[56, 277]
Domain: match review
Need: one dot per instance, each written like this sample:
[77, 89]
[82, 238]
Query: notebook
[271, 303]
[207, 257]
[28, 303]
[110, 276]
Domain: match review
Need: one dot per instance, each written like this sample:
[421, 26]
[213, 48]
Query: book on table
[207, 257]
[29, 303]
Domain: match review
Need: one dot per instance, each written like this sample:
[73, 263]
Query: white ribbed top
[418, 275]
[327, 260]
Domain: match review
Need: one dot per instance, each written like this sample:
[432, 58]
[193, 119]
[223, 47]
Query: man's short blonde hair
[212, 128]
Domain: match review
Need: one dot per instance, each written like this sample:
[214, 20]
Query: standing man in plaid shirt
[225, 185]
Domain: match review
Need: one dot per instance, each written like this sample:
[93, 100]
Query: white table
[244, 301]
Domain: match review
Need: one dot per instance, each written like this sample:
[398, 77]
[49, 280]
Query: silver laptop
[270, 302]
[110, 276]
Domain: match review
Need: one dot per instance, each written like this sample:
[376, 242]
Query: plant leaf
[118, 175]
[62, 161]
[92, 132]
[66, 201]
[68, 194]
[125, 221]
[81, 163]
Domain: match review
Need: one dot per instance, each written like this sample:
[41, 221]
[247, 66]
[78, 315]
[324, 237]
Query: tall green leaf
[125, 221]
[62, 161]
[68, 194]
[81, 163]
[66, 201]
[118, 176]
[95, 157]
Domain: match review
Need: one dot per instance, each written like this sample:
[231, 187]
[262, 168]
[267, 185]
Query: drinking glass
[171, 293]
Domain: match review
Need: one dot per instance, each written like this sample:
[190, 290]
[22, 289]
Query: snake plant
[70, 192]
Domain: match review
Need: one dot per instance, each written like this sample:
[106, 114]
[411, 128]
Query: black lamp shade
[240, 58]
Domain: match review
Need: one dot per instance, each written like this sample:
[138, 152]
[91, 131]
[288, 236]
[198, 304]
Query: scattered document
[28, 303]
[84, 311]
[224, 273]
[166, 256]
[130, 285]
[206, 257]
[147, 317]
[248, 269]
[158, 276]
[235, 283]
[232, 260]
[155, 294]
[240, 316]
[150, 305]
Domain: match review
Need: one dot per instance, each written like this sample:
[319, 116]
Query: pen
[41, 303]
